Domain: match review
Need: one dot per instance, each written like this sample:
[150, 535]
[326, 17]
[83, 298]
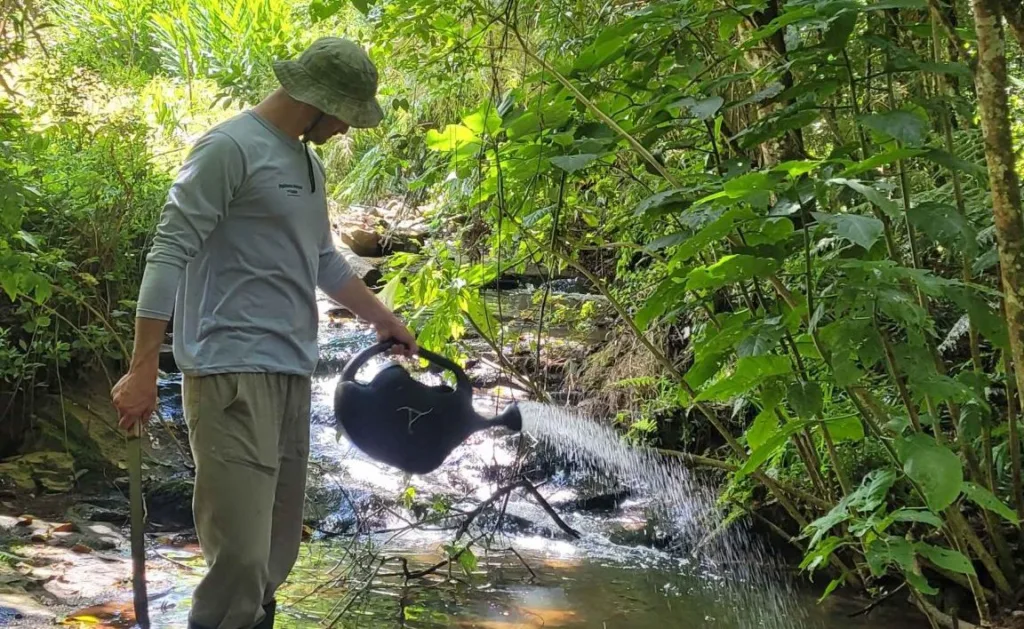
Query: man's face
[326, 128]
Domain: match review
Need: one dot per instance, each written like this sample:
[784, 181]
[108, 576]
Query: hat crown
[341, 64]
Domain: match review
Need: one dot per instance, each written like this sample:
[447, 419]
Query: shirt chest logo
[291, 189]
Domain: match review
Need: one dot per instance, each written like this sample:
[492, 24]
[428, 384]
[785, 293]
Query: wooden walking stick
[141, 600]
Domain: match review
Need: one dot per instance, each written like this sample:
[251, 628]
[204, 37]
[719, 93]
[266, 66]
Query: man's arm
[196, 203]
[337, 279]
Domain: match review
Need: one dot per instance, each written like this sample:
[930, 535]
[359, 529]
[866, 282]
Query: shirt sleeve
[334, 270]
[196, 203]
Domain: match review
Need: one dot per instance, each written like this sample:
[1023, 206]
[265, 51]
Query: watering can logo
[404, 423]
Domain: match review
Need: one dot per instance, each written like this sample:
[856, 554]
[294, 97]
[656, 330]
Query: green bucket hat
[336, 76]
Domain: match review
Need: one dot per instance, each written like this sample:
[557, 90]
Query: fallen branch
[571, 532]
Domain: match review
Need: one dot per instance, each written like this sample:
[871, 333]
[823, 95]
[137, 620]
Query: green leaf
[320, 10]
[729, 269]
[768, 448]
[882, 159]
[572, 163]
[944, 224]
[805, 398]
[897, 4]
[871, 194]
[660, 200]
[904, 126]
[763, 427]
[978, 171]
[711, 232]
[847, 428]
[915, 515]
[483, 120]
[836, 582]
[467, 560]
[860, 230]
[951, 560]
[702, 109]
[886, 551]
[986, 499]
[935, 468]
[749, 372]
[362, 5]
[392, 292]
[453, 137]
[839, 30]
[920, 583]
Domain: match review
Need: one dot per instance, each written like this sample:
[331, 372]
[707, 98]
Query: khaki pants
[249, 434]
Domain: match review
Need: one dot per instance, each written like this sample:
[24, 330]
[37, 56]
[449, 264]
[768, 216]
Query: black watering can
[404, 423]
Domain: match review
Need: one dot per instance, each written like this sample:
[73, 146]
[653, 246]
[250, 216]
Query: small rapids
[753, 587]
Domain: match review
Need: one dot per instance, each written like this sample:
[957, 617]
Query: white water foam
[750, 582]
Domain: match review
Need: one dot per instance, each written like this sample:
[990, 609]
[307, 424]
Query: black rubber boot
[268, 618]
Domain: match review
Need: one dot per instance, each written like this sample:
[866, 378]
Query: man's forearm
[355, 296]
[149, 336]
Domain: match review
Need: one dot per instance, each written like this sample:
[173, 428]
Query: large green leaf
[908, 127]
[572, 163]
[483, 120]
[951, 560]
[769, 447]
[848, 428]
[451, 138]
[871, 194]
[886, 551]
[660, 200]
[805, 398]
[935, 469]
[879, 160]
[944, 224]
[749, 372]
[711, 232]
[728, 270]
[860, 230]
[987, 500]
[763, 427]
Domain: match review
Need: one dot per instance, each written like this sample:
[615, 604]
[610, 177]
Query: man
[242, 244]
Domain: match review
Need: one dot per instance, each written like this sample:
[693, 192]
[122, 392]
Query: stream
[631, 566]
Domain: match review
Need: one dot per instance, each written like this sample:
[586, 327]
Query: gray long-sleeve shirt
[241, 246]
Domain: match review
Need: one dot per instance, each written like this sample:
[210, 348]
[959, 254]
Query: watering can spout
[510, 418]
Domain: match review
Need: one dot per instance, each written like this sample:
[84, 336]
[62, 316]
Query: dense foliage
[803, 211]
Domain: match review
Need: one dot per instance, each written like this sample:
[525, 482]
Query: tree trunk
[1006, 207]
[1013, 11]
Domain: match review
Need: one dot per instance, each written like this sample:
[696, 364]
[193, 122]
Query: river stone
[47, 471]
[169, 502]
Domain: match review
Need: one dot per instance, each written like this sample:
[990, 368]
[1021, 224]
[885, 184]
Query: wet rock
[364, 268]
[167, 362]
[601, 502]
[111, 511]
[38, 472]
[169, 503]
[362, 241]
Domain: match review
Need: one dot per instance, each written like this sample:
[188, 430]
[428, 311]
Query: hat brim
[302, 86]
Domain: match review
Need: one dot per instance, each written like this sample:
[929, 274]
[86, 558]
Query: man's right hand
[134, 397]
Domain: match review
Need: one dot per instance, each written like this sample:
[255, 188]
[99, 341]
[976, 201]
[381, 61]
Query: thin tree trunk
[1013, 11]
[1006, 206]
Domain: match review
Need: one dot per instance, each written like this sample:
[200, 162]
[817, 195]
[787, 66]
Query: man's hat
[336, 76]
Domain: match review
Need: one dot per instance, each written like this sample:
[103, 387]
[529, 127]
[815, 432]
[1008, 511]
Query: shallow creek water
[535, 576]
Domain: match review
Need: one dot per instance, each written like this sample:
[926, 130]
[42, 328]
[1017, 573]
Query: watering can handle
[353, 366]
